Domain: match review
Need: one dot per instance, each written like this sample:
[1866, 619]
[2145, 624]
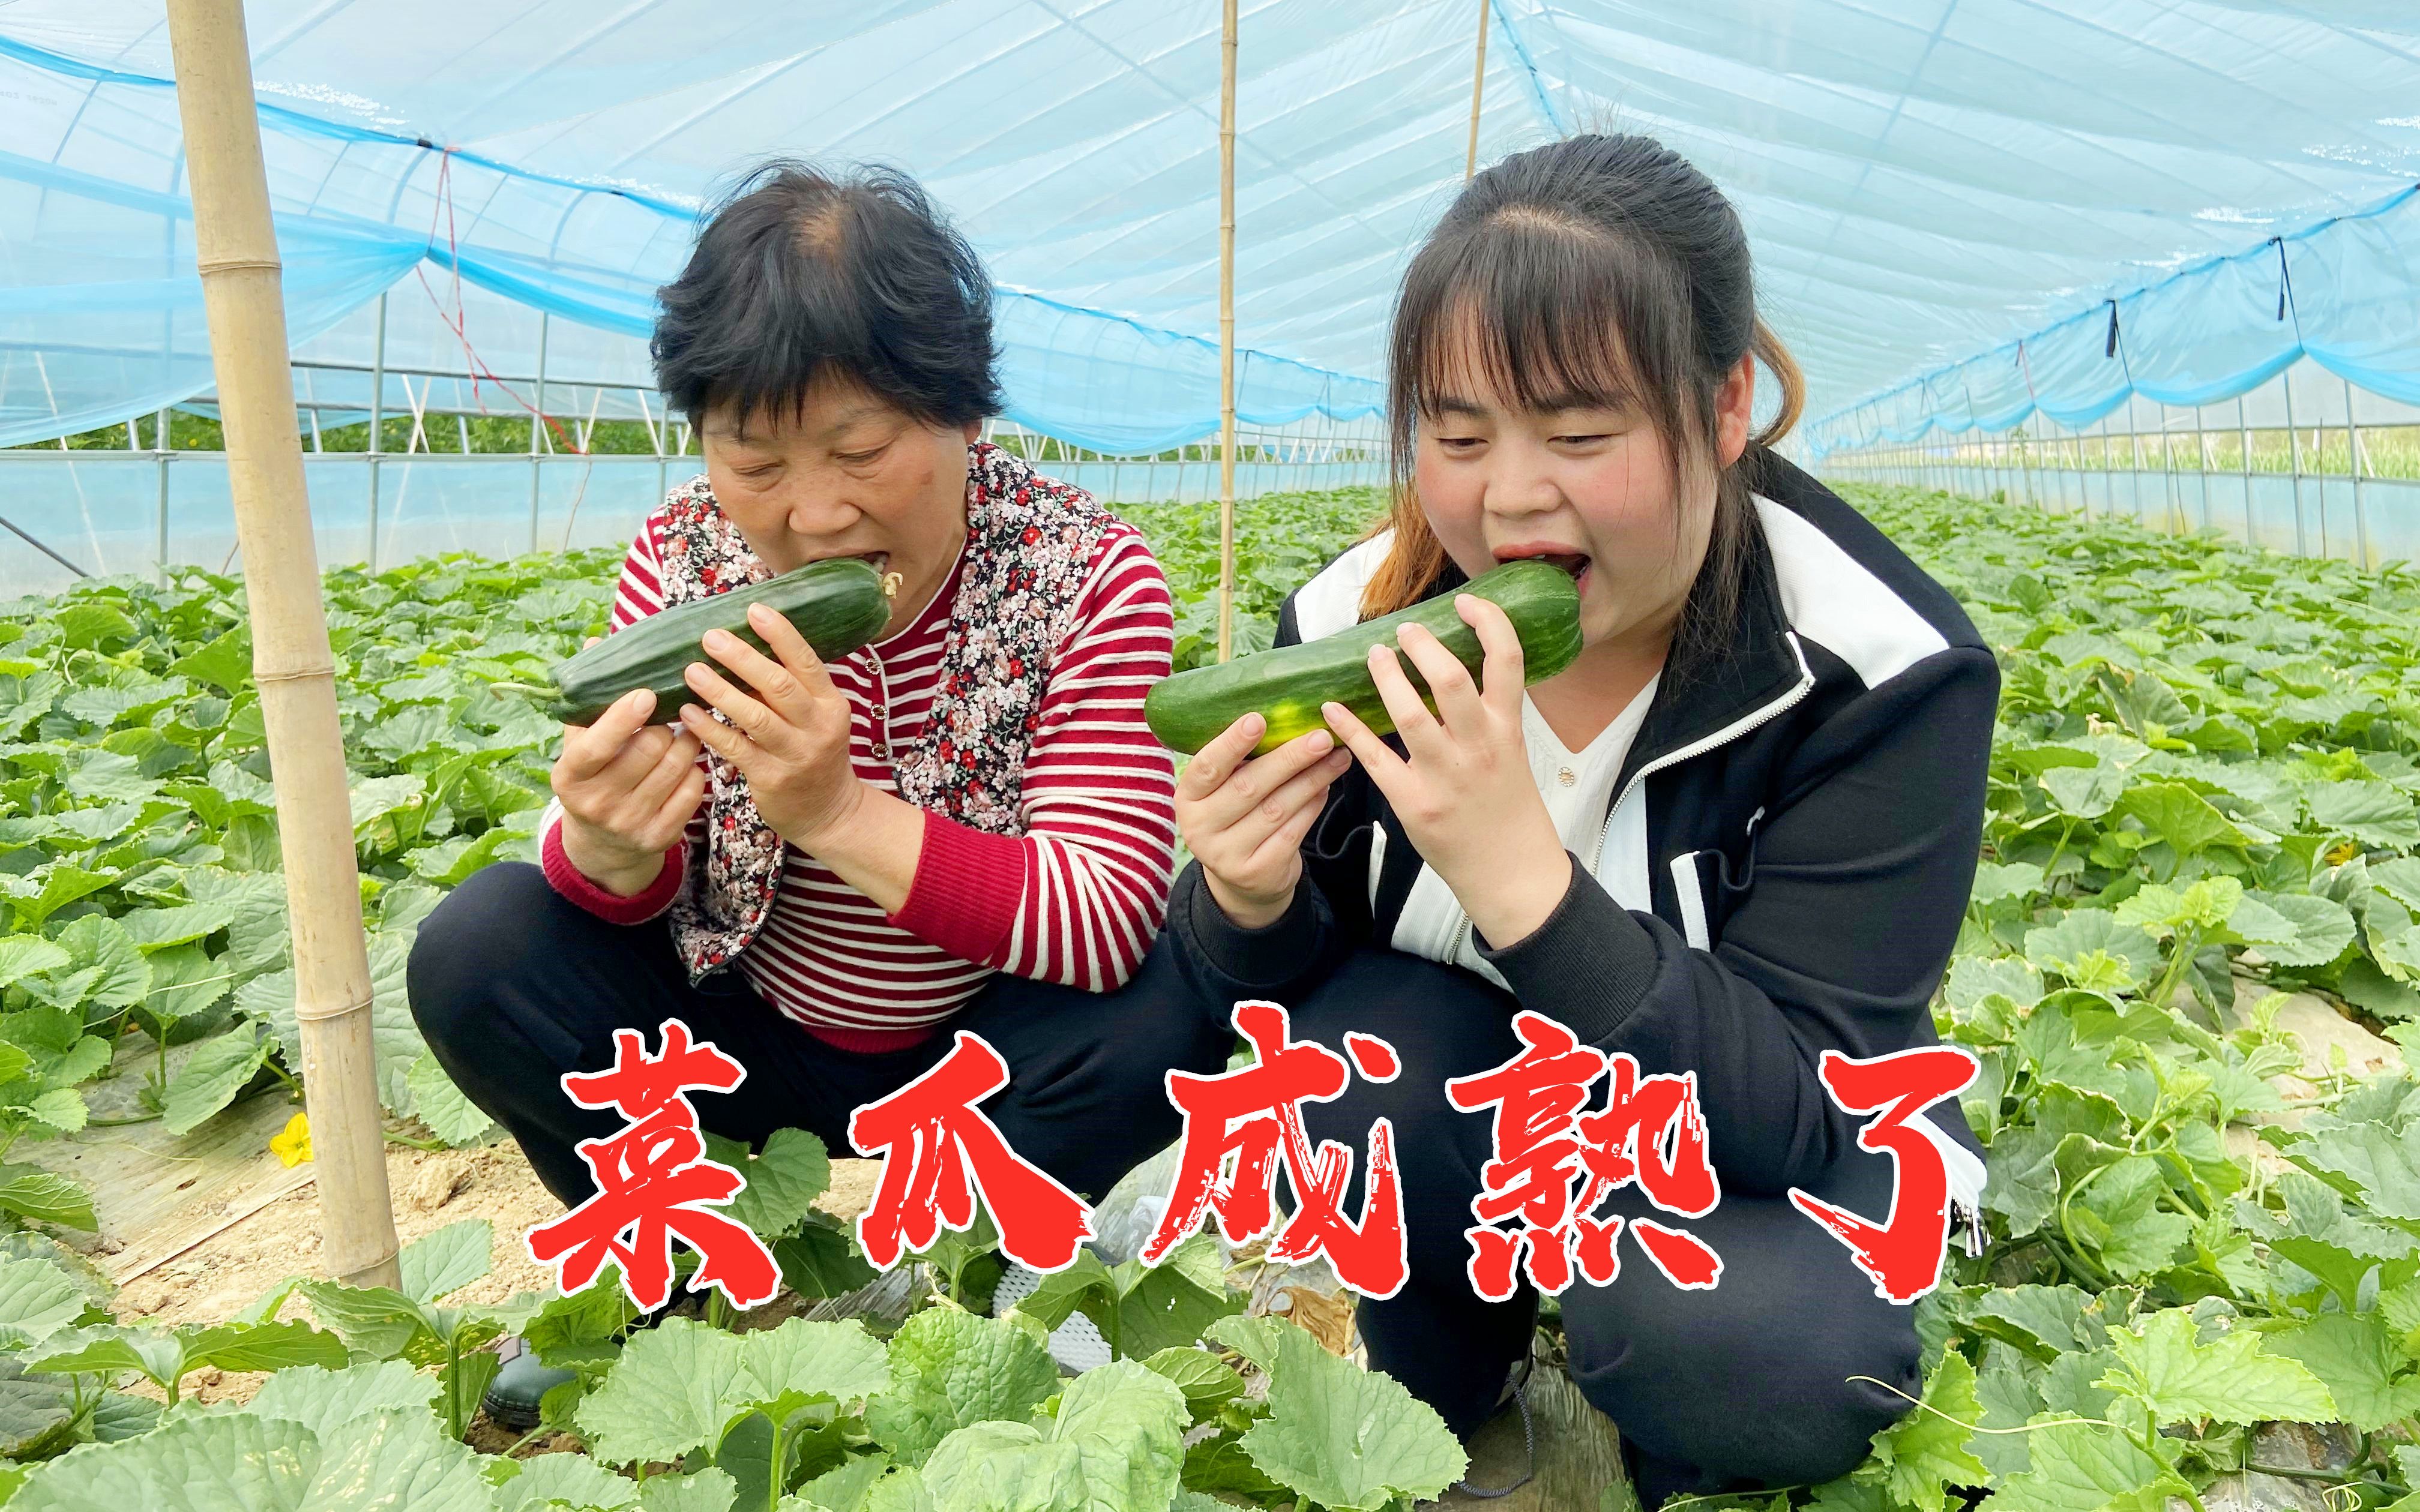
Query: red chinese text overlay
[1904, 1253]
[1555, 1166]
[939, 1152]
[653, 1179]
[1240, 1123]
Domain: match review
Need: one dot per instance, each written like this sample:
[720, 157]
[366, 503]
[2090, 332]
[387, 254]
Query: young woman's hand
[1466, 798]
[1245, 817]
[788, 734]
[627, 789]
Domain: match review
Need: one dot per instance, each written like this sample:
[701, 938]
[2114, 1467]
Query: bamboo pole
[1227, 333]
[1477, 92]
[241, 288]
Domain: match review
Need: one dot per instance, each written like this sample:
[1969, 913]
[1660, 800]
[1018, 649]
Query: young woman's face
[846, 475]
[1591, 489]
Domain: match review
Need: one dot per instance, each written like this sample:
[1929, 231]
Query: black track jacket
[1804, 822]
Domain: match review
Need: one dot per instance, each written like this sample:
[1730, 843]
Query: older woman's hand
[791, 737]
[1245, 818]
[628, 790]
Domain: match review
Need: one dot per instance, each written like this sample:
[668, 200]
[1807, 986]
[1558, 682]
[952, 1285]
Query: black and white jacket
[1787, 859]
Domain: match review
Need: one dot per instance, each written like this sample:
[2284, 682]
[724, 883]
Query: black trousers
[513, 985]
[1747, 1385]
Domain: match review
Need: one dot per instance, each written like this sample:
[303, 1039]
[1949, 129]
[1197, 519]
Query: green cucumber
[1287, 685]
[838, 605]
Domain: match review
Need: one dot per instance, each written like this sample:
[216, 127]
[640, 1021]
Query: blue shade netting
[1949, 199]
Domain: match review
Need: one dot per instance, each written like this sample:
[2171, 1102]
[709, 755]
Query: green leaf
[2181, 816]
[1169, 1307]
[2120, 1216]
[2295, 929]
[948, 1369]
[1084, 1281]
[261, 1347]
[784, 1179]
[1344, 1437]
[822, 1259]
[2081, 941]
[378, 1321]
[153, 929]
[680, 1384]
[1971, 979]
[319, 1398]
[438, 1264]
[666, 1396]
[224, 663]
[1926, 1451]
[110, 777]
[2043, 1321]
[87, 624]
[37, 1413]
[62, 1108]
[2374, 813]
[1005, 1467]
[1994, 882]
[566, 1477]
[709, 1490]
[439, 1103]
[846, 1488]
[37, 1299]
[2084, 791]
[374, 798]
[395, 1038]
[26, 955]
[2355, 1360]
[57, 885]
[383, 1462]
[186, 982]
[802, 1359]
[2385, 1165]
[216, 1071]
[1208, 1382]
[2164, 1366]
[256, 937]
[1128, 1427]
[2080, 1467]
[46, 1198]
[109, 1349]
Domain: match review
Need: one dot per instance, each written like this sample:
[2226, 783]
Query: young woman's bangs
[1534, 329]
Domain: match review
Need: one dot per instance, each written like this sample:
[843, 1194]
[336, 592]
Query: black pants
[513, 985]
[1749, 1382]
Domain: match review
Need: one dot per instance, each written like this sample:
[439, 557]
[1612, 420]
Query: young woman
[1738, 831]
[824, 867]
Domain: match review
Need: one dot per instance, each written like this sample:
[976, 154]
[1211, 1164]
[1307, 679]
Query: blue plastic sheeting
[1923, 180]
[109, 515]
[2342, 293]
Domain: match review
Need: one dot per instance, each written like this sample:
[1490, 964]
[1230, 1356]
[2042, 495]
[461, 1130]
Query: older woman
[818, 866]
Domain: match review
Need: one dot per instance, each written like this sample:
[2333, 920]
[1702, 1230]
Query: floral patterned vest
[1030, 542]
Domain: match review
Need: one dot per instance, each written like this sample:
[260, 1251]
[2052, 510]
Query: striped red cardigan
[1068, 882]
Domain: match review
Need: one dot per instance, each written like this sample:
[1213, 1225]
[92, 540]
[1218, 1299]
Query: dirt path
[431, 1189]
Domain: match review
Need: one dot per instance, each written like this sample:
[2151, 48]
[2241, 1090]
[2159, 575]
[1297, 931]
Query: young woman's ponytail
[1776, 361]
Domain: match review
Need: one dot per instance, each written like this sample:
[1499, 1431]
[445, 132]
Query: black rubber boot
[512, 1397]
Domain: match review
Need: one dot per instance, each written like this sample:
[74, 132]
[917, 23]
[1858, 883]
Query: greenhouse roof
[1925, 181]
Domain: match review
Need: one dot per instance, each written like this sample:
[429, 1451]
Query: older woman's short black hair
[798, 272]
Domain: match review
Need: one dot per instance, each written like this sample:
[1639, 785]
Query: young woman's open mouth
[1575, 563]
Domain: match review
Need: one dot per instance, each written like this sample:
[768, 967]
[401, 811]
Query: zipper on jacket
[1724, 736]
[1697, 747]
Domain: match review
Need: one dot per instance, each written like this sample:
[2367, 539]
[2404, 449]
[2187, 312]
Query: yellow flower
[293, 1147]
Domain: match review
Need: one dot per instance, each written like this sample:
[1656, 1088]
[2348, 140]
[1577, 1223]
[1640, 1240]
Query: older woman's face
[846, 475]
